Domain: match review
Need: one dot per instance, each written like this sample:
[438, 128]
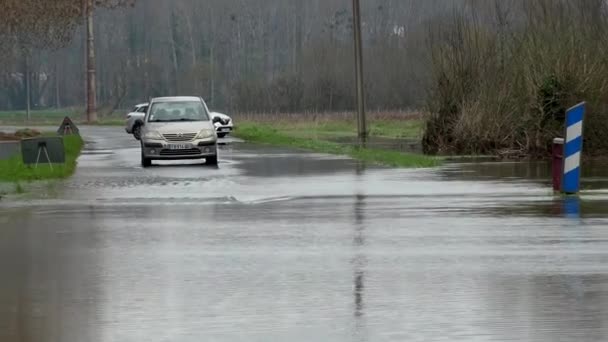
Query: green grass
[13, 170]
[54, 117]
[397, 129]
[265, 134]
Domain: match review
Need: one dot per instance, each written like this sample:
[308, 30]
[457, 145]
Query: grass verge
[265, 134]
[411, 129]
[328, 126]
[13, 170]
[54, 117]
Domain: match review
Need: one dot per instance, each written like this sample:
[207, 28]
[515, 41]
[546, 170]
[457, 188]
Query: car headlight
[206, 134]
[153, 135]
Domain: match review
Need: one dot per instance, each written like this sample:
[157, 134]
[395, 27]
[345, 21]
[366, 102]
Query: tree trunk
[174, 51]
[175, 65]
[192, 46]
[40, 89]
[212, 73]
[27, 78]
[57, 95]
[91, 82]
[121, 93]
[298, 36]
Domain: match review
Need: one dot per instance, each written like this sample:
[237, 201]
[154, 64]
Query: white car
[224, 124]
[135, 120]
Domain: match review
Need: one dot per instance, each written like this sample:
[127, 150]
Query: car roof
[142, 104]
[176, 99]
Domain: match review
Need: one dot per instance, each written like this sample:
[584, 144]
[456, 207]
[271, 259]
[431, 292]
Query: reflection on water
[465, 253]
[549, 307]
[270, 163]
[273, 271]
[40, 295]
[572, 207]
[402, 145]
[568, 207]
[359, 260]
[500, 171]
[595, 173]
[593, 201]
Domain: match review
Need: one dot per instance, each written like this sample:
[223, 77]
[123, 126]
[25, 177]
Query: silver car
[178, 128]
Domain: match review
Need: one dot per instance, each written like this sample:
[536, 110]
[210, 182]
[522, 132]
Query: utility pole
[91, 90]
[361, 122]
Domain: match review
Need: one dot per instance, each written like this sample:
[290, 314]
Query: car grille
[225, 122]
[179, 137]
[189, 152]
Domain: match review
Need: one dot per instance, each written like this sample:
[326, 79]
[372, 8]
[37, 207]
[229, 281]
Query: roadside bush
[27, 133]
[504, 89]
[19, 135]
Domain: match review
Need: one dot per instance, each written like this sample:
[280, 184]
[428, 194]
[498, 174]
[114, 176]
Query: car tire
[145, 162]
[137, 131]
[211, 160]
[221, 135]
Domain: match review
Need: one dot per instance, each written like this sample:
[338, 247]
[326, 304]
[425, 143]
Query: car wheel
[211, 160]
[221, 135]
[145, 162]
[137, 132]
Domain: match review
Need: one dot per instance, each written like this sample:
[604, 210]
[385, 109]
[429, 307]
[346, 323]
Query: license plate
[224, 129]
[178, 146]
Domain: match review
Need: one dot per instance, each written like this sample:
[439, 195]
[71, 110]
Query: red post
[558, 163]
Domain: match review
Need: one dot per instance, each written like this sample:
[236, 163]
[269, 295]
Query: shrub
[505, 89]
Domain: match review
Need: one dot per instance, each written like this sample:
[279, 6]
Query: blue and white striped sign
[573, 149]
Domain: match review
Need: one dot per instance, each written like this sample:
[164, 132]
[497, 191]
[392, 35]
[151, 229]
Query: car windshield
[178, 111]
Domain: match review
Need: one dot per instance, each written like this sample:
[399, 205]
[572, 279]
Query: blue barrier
[573, 149]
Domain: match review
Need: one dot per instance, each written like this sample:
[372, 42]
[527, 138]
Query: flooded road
[276, 245]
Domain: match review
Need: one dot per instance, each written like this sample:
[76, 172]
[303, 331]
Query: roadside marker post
[573, 148]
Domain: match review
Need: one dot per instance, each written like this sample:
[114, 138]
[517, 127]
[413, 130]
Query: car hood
[179, 127]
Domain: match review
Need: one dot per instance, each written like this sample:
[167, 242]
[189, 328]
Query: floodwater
[397, 144]
[276, 245]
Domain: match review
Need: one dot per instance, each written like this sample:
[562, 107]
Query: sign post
[573, 148]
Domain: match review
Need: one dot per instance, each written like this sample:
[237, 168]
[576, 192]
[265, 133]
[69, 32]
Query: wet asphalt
[277, 245]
